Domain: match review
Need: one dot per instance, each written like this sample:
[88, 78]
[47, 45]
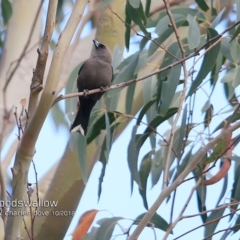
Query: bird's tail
[81, 121]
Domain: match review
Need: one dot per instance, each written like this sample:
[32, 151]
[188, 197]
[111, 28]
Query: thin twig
[222, 230]
[211, 210]
[205, 224]
[174, 125]
[143, 36]
[170, 228]
[37, 192]
[167, 191]
[121, 85]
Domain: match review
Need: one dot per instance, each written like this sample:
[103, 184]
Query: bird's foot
[85, 92]
[102, 88]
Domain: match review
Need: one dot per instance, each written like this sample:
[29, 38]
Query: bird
[96, 72]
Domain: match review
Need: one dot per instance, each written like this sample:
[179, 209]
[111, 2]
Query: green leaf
[154, 124]
[144, 110]
[235, 196]
[137, 16]
[144, 171]
[135, 3]
[78, 142]
[235, 118]
[81, 150]
[236, 80]
[215, 215]
[235, 51]
[157, 221]
[71, 87]
[130, 97]
[107, 225]
[133, 152]
[168, 89]
[157, 167]
[128, 21]
[225, 49]
[184, 11]
[201, 200]
[108, 136]
[236, 32]
[237, 225]
[97, 123]
[194, 34]
[105, 150]
[208, 61]
[144, 41]
[164, 23]
[224, 188]
[188, 157]
[147, 7]
[180, 142]
[208, 116]
[232, 77]
[216, 69]
[6, 11]
[117, 58]
[229, 76]
[127, 69]
[164, 31]
[202, 4]
[218, 18]
[237, 10]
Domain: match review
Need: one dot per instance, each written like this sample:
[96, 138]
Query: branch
[38, 74]
[121, 85]
[203, 225]
[22, 161]
[174, 125]
[167, 191]
[182, 211]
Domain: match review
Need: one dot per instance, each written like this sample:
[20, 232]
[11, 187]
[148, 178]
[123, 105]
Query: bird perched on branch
[96, 72]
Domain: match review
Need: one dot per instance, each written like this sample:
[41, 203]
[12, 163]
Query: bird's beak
[96, 43]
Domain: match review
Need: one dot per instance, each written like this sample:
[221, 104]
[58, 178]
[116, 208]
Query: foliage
[179, 90]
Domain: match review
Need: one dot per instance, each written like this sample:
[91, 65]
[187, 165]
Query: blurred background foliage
[143, 41]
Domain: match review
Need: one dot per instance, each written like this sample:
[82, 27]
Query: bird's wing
[80, 68]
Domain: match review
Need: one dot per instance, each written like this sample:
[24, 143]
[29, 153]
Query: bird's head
[101, 51]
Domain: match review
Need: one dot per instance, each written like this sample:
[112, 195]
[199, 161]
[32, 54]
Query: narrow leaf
[147, 7]
[106, 228]
[84, 224]
[194, 34]
[144, 171]
[208, 62]
[202, 4]
[6, 10]
[168, 89]
[155, 123]
[156, 221]
[236, 32]
[144, 110]
[82, 147]
[133, 152]
[215, 216]
[137, 16]
[135, 3]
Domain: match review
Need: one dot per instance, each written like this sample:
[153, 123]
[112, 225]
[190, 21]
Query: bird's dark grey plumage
[96, 72]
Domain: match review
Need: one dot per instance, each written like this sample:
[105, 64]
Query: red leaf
[84, 224]
[225, 166]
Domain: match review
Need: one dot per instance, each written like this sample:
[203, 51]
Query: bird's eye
[102, 46]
